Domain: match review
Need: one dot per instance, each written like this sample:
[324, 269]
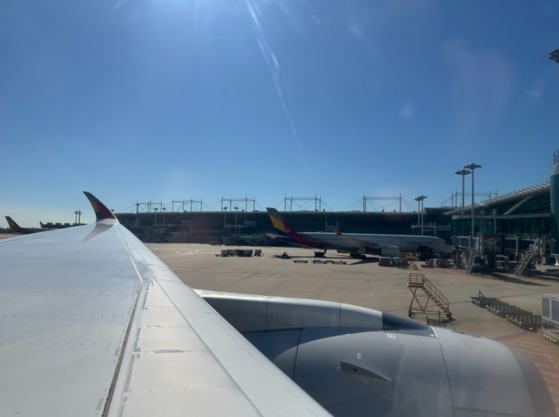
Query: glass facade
[524, 213]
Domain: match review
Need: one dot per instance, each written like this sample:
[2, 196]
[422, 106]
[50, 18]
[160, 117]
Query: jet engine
[390, 251]
[360, 362]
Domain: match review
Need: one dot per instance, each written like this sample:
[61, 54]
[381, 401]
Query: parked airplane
[93, 323]
[359, 244]
[25, 230]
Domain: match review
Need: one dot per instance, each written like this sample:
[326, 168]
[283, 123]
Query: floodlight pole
[420, 210]
[236, 211]
[472, 167]
[463, 172]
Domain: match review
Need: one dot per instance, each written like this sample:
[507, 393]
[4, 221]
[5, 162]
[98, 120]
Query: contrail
[273, 67]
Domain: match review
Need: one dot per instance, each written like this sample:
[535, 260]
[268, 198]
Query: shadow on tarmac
[513, 280]
[364, 260]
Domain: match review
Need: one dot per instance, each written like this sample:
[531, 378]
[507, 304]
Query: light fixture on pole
[463, 172]
[472, 167]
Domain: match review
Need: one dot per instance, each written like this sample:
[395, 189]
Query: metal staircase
[535, 249]
[475, 255]
[525, 260]
[471, 260]
[422, 298]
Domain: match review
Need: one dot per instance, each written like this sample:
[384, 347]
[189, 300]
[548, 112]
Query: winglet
[101, 211]
[338, 233]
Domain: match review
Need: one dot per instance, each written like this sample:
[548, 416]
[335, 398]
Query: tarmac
[366, 283]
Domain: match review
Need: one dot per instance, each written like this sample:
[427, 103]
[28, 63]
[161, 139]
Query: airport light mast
[472, 167]
[420, 210]
[235, 230]
[462, 172]
[554, 188]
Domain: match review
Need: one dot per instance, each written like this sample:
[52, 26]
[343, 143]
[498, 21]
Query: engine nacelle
[390, 251]
[360, 362]
[407, 373]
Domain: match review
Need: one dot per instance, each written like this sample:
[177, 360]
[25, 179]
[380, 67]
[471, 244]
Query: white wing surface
[92, 323]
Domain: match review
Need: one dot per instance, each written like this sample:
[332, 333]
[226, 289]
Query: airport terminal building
[519, 218]
[254, 227]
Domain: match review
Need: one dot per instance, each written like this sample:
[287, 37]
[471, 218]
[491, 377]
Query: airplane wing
[92, 323]
[359, 243]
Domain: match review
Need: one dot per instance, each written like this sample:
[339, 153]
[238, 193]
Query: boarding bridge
[483, 252]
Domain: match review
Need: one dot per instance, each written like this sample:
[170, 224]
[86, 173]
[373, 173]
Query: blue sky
[184, 99]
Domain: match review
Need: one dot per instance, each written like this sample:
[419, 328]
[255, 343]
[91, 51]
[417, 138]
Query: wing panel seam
[110, 396]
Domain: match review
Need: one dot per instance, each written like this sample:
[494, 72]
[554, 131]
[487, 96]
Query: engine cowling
[360, 362]
[390, 251]
[407, 373]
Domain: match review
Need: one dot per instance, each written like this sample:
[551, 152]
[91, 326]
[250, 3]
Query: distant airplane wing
[92, 323]
[359, 243]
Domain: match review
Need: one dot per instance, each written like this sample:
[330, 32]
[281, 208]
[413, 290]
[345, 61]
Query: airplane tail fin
[101, 211]
[14, 225]
[277, 220]
[280, 224]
